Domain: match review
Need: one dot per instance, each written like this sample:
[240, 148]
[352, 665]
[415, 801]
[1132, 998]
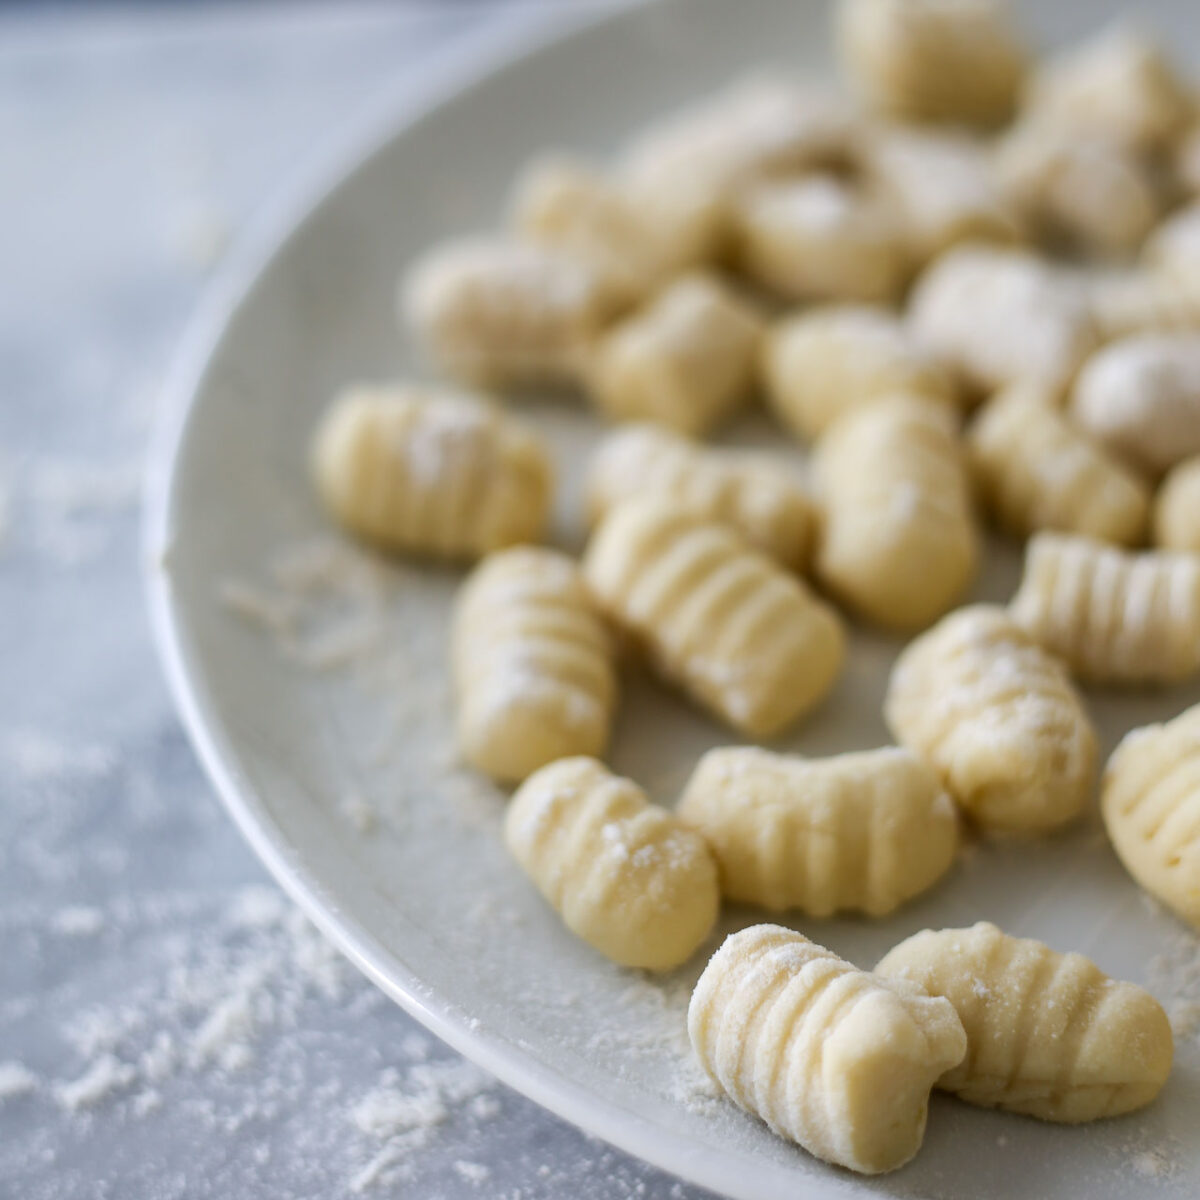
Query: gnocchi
[1112, 616]
[834, 1058]
[998, 719]
[533, 664]
[744, 638]
[1150, 801]
[429, 471]
[753, 493]
[1036, 471]
[624, 874]
[1177, 508]
[1048, 1034]
[1142, 301]
[897, 540]
[858, 832]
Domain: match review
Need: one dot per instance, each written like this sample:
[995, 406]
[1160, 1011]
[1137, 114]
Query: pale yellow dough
[1177, 508]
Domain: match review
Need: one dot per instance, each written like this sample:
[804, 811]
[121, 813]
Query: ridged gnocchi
[686, 360]
[429, 471]
[743, 637]
[1177, 508]
[935, 60]
[753, 492]
[998, 719]
[624, 874]
[857, 832]
[826, 362]
[1035, 470]
[1150, 801]
[533, 664]
[1112, 616]
[834, 1058]
[1048, 1034]
[897, 541]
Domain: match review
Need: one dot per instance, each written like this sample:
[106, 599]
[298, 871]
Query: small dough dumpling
[751, 491]
[1150, 800]
[1177, 508]
[624, 874]
[824, 363]
[859, 832]
[898, 540]
[1173, 249]
[997, 316]
[424, 470]
[1144, 299]
[686, 360]
[998, 719]
[933, 60]
[1048, 1034]
[819, 237]
[1035, 470]
[834, 1058]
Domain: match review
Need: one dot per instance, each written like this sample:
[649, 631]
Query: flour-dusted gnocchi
[997, 316]
[834, 1058]
[1112, 616]
[1150, 801]
[940, 60]
[743, 637]
[533, 664]
[1048, 1034]
[1077, 190]
[624, 874]
[1177, 508]
[858, 832]
[897, 540]
[499, 313]
[1141, 300]
[827, 362]
[1035, 470]
[753, 492]
[819, 237]
[686, 360]
[998, 719]
[430, 471]
[1140, 396]
[1174, 247]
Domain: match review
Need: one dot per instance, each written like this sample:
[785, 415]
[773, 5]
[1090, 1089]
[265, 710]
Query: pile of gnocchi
[973, 289]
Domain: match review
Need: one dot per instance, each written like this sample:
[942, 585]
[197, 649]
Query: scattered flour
[105, 1076]
[16, 1080]
[77, 920]
[76, 506]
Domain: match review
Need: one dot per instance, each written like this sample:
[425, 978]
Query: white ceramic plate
[340, 776]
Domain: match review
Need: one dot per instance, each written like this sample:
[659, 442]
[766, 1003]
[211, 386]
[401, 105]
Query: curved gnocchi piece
[753, 493]
[857, 832]
[624, 874]
[429, 471]
[1036, 471]
[997, 718]
[898, 541]
[1112, 616]
[834, 1058]
[1150, 801]
[1143, 300]
[824, 363]
[533, 664]
[1177, 508]
[744, 638]
[686, 360]
[1174, 247]
[1048, 1034]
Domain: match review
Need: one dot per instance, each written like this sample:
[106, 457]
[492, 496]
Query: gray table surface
[169, 1025]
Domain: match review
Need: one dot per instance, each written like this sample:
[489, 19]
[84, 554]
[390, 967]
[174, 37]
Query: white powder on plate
[16, 1080]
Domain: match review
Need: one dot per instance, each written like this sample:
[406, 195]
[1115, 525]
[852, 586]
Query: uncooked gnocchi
[686, 360]
[1112, 616]
[897, 539]
[826, 362]
[998, 719]
[743, 637]
[430, 471]
[1035, 470]
[1048, 1034]
[1150, 801]
[533, 664]
[834, 1058]
[623, 874]
[753, 492]
[1177, 508]
[1141, 300]
[855, 833]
